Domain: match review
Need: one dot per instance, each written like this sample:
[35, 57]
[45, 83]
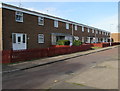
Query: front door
[19, 41]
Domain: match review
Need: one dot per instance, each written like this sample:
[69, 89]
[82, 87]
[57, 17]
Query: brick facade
[30, 27]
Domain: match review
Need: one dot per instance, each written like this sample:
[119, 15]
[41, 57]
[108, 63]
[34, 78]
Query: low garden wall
[10, 56]
[104, 44]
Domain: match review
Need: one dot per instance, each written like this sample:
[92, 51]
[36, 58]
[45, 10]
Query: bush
[63, 42]
[77, 43]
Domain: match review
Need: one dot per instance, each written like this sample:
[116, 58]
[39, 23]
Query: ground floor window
[41, 38]
[83, 40]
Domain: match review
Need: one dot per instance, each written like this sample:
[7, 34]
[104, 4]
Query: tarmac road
[46, 77]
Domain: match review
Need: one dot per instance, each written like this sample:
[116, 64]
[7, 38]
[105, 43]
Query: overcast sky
[103, 15]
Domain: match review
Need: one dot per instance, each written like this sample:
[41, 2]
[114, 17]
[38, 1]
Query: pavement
[6, 68]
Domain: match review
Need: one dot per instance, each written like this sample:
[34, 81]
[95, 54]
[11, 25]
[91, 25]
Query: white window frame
[56, 23]
[82, 28]
[20, 14]
[102, 32]
[88, 30]
[99, 32]
[41, 38]
[76, 27]
[93, 30]
[67, 25]
[106, 33]
[40, 20]
[83, 39]
[96, 31]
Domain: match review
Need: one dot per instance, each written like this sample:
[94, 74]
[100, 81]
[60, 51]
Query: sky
[103, 15]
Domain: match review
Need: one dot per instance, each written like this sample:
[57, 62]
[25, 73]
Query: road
[45, 77]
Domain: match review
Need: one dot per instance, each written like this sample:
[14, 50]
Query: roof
[24, 10]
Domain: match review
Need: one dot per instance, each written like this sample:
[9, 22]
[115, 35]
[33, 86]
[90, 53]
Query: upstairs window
[55, 23]
[19, 16]
[40, 20]
[96, 32]
[88, 30]
[75, 27]
[82, 29]
[102, 32]
[67, 25]
[40, 38]
[92, 30]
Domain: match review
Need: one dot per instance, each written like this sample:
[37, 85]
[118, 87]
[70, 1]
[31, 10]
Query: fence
[10, 56]
[104, 44]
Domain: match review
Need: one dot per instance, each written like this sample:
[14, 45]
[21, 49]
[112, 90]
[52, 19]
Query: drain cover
[69, 72]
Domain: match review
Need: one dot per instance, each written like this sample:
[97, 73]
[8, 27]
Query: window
[82, 29]
[40, 38]
[83, 39]
[13, 38]
[67, 25]
[88, 30]
[99, 32]
[19, 16]
[96, 32]
[40, 20]
[92, 30]
[75, 27]
[107, 33]
[55, 23]
[102, 32]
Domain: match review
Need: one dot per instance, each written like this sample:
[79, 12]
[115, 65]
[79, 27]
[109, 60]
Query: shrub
[77, 43]
[63, 42]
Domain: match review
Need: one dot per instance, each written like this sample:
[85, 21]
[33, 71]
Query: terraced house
[21, 28]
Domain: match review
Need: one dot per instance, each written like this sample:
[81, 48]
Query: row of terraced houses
[21, 28]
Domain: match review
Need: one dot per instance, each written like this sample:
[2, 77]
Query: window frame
[88, 30]
[96, 31]
[83, 39]
[93, 31]
[82, 28]
[39, 39]
[76, 27]
[99, 32]
[20, 15]
[39, 20]
[56, 23]
[67, 26]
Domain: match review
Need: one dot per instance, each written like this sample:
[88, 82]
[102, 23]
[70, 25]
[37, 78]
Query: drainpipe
[110, 41]
[95, 37]
[72, 30]
[72, 33]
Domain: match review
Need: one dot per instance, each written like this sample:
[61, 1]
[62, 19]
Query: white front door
[19, 41]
